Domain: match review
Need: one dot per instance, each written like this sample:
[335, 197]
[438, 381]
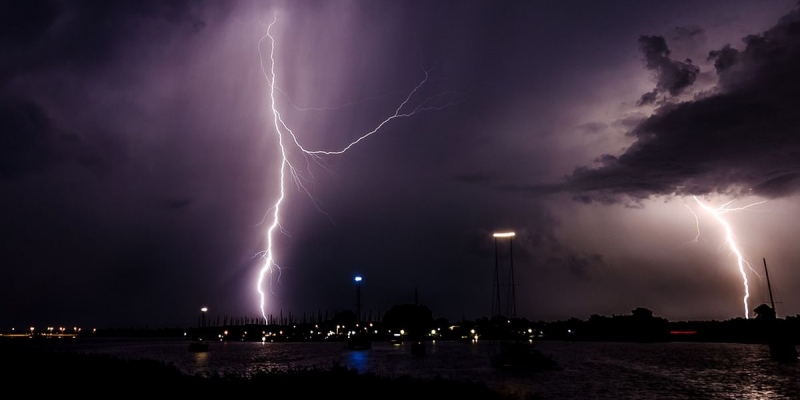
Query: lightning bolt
[730, 240]
[286, 137]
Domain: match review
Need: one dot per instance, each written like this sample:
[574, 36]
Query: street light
[511, 305]
[358, 280]
[202, 322]
[504, 234]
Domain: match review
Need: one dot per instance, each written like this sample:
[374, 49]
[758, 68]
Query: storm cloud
[742, 138]
[140, 160]
[672, 76]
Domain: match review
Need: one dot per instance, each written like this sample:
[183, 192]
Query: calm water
[590, 370]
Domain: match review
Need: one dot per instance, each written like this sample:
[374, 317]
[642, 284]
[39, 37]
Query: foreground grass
[40, 372]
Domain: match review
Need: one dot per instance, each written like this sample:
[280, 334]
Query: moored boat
[199, 345]
[782, 346]
[519, 355]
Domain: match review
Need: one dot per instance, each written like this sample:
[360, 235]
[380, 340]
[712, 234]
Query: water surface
[589, 370]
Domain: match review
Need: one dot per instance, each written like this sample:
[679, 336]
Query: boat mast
[771, 301]
[512, 293]
[496, 289]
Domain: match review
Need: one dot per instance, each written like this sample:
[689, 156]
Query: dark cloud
[648, 98]
[723, 58]
[671, 76]
[81, 35]
[744, 138]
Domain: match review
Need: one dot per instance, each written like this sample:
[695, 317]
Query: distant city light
[503, 234]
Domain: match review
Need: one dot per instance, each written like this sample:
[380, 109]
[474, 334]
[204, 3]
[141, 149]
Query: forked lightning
[730, 240]
[286, 137]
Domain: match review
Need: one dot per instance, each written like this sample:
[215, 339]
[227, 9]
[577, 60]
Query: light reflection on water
[589, 370]
[359, 360]
[201, 362]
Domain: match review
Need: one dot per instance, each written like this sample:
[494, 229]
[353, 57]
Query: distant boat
[199, 345]
[514, 353]
[781, 345]
[519, 355]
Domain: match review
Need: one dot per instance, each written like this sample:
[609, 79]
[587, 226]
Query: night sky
[139, 157]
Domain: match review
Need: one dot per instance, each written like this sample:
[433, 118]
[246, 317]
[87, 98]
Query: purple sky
[139, 159]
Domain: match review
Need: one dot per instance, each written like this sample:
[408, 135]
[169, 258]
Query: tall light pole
[202, 321]
[496, 283]
[511, 303]
[358, 280]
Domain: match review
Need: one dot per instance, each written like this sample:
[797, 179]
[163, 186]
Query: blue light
[358, 279]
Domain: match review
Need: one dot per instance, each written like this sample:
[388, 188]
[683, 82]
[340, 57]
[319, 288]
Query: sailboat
[515, 352]
[781, 345]
[199, 344]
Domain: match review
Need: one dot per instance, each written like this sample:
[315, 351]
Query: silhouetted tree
[642, 313]
[764, 312]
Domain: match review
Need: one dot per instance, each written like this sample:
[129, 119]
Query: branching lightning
[730, 240]
[286, 137]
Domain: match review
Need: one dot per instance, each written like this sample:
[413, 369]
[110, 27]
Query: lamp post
[358, 280]
[511, 304]
[202, 322]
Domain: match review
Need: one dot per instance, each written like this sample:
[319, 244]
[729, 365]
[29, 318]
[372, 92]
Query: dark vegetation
[642, 326]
